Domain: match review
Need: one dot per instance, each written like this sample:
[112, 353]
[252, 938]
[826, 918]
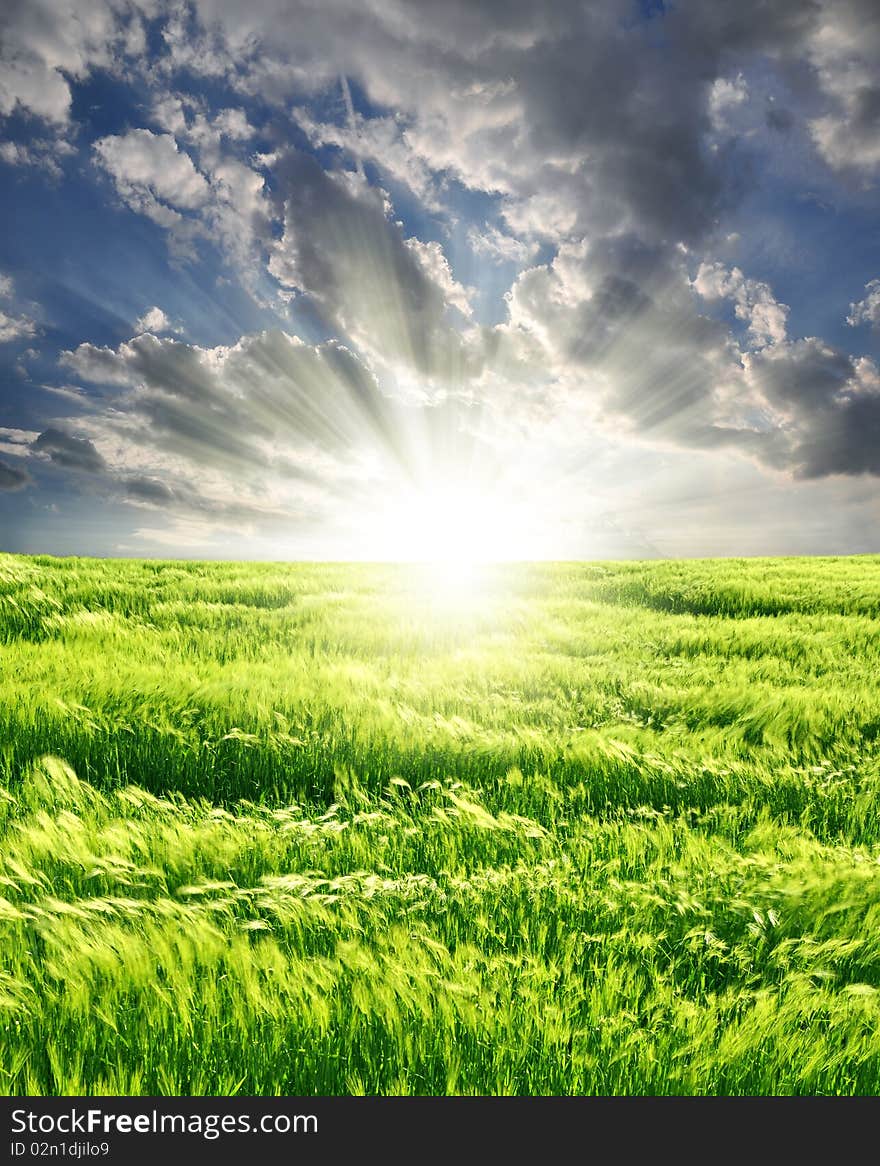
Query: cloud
[13, 477]
[651, 366]
[571, 120]
[753, 299]
[220, 199]
[381, 140]
[866, 311]
[191, 120]
[614, 143]
[48, 43]
[498, 246]
[724, 96]
[156, 178]
[389, 294]
[564, 113]
[598, 135]
[154, 320]
[247, 429]
[275, 438]
[152, 174]
[239, 213]
[851, 142]
[844, 48]
[149, 490]
[68, 451]
[39, 153]
[233, 124]
[616, 322]
[16, 441]
[15, 327]
[827, 404]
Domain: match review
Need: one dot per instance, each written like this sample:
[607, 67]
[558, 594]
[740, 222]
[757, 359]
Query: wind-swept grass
[592, 828]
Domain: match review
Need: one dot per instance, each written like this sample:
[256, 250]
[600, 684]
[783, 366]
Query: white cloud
[222, 198]
[724, 96]
[844, 143]
[47, 42]
[381, 140]
[16, 441]
[753, 300]
[31, 85]
[233, 124]
[867, 310]
[154, 320]
[498, 246]
[15, 327]
[844, 48]
[40, 153]
[239, 212]
[150, 170]
[271, 436]
[435, 265]
[190, 120]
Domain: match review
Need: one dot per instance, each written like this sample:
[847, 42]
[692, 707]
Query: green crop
[320, 828]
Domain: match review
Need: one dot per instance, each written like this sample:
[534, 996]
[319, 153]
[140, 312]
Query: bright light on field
[452, 528]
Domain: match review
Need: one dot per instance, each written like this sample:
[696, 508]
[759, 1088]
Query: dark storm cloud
[13, 478]
[73, 453]
[804, 375]
[149, 490]
[608, 109]
[844, 439]
[595, 99]
[830, 404]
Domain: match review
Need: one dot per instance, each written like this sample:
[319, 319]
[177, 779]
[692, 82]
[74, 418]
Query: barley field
[607, 828]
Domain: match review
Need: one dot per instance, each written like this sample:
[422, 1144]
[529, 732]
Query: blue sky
[592, 280]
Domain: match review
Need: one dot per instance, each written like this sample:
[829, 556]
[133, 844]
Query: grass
[593, 828]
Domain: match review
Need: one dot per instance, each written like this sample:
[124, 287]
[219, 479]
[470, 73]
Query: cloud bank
[374, 174]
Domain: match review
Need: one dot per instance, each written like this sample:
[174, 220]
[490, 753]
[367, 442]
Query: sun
[450, 526]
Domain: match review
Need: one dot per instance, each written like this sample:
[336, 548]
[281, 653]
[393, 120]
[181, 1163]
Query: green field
[590, 828]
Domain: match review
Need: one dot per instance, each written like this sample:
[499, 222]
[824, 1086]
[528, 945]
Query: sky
[369, 279]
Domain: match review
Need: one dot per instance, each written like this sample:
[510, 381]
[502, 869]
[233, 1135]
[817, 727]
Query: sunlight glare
[450, 527]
